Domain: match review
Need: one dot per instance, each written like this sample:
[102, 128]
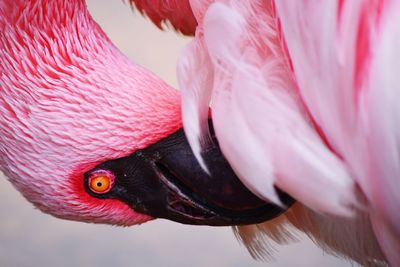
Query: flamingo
[87, 135]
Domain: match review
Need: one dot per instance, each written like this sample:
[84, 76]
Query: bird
[88, 135]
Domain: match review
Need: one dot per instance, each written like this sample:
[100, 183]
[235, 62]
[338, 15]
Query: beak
[166, 181]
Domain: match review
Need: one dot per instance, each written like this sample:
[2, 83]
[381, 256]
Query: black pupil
[99, 184]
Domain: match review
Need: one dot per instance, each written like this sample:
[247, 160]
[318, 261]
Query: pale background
[30, 238]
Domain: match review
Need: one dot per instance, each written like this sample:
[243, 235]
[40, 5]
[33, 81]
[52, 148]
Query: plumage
[302, 95]
[355, 44]
[296, 93]
[66, 89]
[164, 13]
[266, 118]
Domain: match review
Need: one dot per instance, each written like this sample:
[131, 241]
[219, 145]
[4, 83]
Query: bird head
[88, 135]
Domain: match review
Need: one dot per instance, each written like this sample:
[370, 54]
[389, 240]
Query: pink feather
[177, 13]
[69, 99]
[304, 97]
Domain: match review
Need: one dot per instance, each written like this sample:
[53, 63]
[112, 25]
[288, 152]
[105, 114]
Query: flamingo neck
[70, 99]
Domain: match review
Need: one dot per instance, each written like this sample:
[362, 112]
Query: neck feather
[176, 13]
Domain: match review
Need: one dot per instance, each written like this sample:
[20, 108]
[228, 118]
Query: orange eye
[101, 181]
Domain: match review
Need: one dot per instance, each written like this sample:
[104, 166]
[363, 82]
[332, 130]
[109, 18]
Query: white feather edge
[195, 76]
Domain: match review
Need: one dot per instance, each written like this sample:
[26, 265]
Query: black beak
[166, 181]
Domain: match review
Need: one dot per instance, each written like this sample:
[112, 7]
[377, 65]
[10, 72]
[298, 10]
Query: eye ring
[101, 181]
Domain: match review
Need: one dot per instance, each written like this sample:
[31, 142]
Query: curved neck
[70, 99]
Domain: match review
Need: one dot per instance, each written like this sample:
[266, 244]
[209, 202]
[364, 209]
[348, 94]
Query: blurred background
[30, 238]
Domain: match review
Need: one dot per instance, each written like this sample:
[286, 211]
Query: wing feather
[345, 59]
[258, 116]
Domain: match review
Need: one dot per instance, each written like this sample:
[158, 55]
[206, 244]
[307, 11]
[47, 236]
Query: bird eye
[101, 181]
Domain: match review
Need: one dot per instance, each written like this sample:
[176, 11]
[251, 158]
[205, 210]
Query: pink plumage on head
[70, 100]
